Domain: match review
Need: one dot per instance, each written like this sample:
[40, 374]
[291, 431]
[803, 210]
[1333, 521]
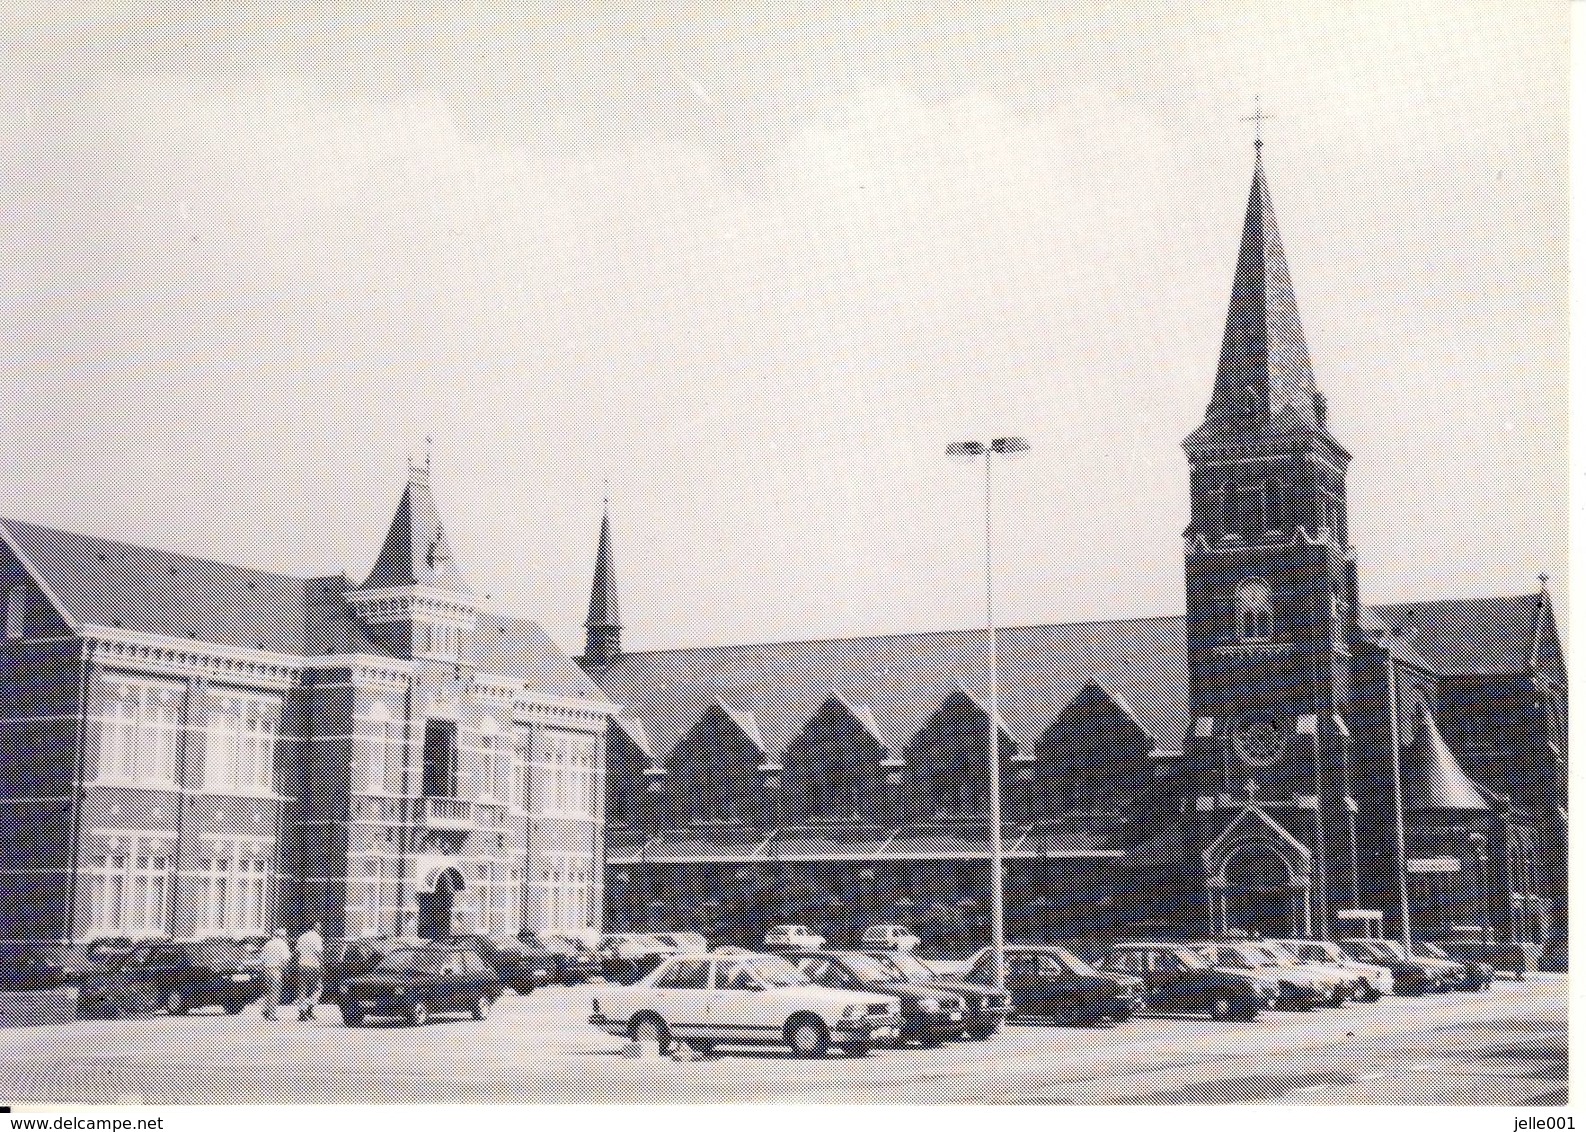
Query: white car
[1375, 981]
[709, 1000]
[793, 937]
[893, 937]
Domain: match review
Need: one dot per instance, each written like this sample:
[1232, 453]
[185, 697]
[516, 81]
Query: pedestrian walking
[273, 958]
[310, 971]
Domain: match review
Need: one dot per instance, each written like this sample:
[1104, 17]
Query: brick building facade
[195, 748]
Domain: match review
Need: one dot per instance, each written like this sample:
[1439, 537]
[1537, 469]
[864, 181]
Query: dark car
[413, 983]
[521, 964]
[930, 1016]
[1409, 977]
[175, 976]
[626, 957]
[1465, 974]
[575, 962]
[1177, 980]
[985, 1010]
[1051, 982]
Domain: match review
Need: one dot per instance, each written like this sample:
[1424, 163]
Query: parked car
[893, 936]
[1409, 976]
[1180, 981]
[1372, 980]
[1467, 974]
[793, 937]
[1339, 985]
[712, 999]
[575, 961]
[626, 957]
[1294, 988]
[1050, 982]
[985, 1010]
[930, 1016]
[685, 943]
[175, 976]
[413, 983]
[521, 964]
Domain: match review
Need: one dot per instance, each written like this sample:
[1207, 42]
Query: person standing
[273, 958]
[310, 971]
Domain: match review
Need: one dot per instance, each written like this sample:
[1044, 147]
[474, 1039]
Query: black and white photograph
[930, 554]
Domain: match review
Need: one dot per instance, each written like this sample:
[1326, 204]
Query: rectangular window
[139, 732]
[518, 799]
[440, 758]
[128, 890]
[240, 742]
[233, 879]
[16, 613]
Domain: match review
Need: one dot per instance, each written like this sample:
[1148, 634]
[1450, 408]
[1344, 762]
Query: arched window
[1253, 608]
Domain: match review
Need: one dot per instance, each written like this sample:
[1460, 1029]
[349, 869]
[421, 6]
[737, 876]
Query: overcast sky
[758, 269]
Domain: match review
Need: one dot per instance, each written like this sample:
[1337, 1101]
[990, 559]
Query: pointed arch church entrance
[1260, 893]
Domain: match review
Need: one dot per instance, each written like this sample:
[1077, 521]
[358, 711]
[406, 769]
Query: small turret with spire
[415, 601]
[603, 626]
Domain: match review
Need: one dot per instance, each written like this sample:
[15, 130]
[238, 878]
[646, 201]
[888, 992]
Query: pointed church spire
[1264, 374]
[1433, 778]
[416, 552]
[603, 626]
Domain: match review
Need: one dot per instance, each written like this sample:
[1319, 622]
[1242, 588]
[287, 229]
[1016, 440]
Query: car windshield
[1190, 960]
[1430, 949]
[410, 959]
[1331, 952]
[1275, 951]
[1073, 962]
[1389, 947]
[909, 968]
[771, 970]
[868, 969]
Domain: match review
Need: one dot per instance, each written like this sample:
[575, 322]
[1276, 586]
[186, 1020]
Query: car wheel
[1372, 994]
[418, 1014]
[1361, 991]
[175, 1003]
[1221, 1007]
[648, 1027]
[481, 1009]
[352, 1017]
[807, 1036]
[982, 1032]
[1248, 1013]
[858, 1049]
[235, 1006]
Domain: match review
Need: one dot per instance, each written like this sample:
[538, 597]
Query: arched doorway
[1260, 891]
[436, 900]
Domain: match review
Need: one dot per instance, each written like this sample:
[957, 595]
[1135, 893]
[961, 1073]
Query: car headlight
[930, 1005]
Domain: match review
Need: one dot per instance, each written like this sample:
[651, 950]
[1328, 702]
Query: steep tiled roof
[1479, 636]
[901, 681]
[521, 650]
[416, 551]
[119, 586]
[115, 585]
[1433, 778]
[603, 610]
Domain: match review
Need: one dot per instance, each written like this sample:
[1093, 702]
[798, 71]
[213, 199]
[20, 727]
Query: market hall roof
[900, 682]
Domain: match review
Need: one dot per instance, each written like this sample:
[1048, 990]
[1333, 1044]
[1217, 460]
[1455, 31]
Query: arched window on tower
[1253, 610]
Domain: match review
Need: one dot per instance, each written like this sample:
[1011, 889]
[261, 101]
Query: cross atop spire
[1258, 117]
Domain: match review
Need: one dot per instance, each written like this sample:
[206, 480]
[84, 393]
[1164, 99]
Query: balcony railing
[448, 813]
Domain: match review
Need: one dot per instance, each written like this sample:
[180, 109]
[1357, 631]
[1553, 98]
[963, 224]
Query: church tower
[603, 626]
[1271, 606]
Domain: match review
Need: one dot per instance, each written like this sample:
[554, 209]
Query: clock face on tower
[1258, 743]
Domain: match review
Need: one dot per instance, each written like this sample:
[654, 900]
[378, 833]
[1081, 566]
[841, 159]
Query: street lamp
[967, 450]
[1478, 841]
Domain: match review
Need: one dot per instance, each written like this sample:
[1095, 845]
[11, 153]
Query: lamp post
[1478, 841]
[974, 450]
